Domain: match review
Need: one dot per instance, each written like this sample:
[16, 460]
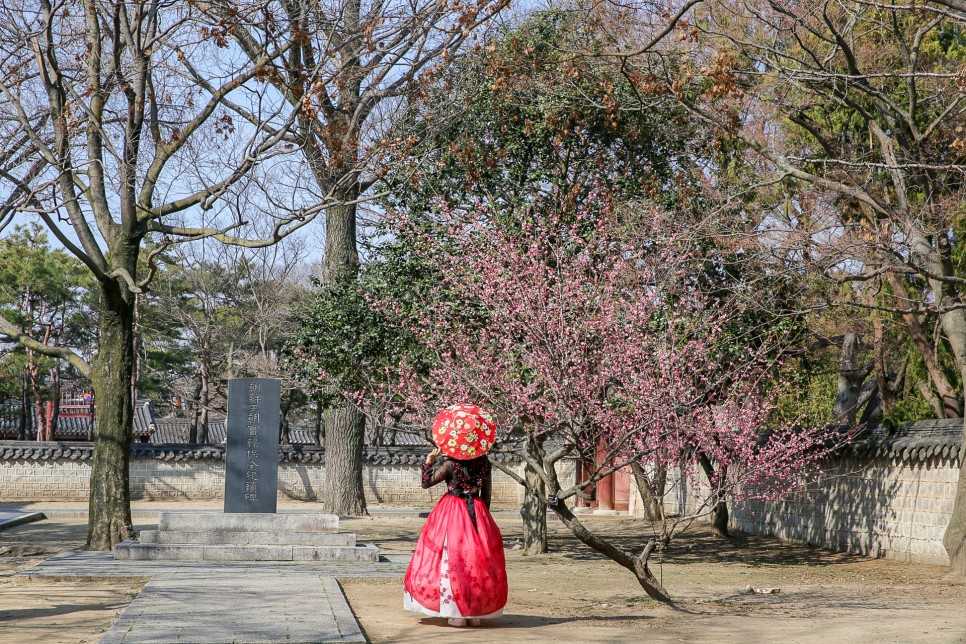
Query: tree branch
[63, 353]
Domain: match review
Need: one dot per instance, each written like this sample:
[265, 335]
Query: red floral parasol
[464, 431]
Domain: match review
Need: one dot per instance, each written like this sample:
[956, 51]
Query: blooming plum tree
[584, 341]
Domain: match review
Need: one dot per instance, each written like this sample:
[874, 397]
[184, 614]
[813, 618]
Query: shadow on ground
[698, 546]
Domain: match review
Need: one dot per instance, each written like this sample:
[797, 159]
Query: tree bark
[23, 426]
[534, 513]
[195, 411]
[109, 511]
[636, 564]
[54, 417]
[719, 511]
[283, 424]
[204, 402]
[719, 519]
[341, 257]
[343, 494]
[851, 377]
[954, 540]
[954, 326]
[345, 424]
[949, 405]
[653, 501]
[40, 418]
[317, 434]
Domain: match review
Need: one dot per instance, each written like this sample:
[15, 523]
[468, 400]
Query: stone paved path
[199, 602]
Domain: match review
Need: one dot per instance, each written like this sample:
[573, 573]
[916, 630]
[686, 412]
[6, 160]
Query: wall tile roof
[83, 451]
[914, 441]
[909, 442]
[176, 430]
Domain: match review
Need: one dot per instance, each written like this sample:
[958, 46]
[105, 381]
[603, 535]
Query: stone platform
[208, 536]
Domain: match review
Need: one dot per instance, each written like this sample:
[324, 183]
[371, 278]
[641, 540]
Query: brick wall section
[31, 480]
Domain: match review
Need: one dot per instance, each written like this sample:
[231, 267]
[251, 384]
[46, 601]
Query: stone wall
[888, 495]
[61, 472]
[885, 506]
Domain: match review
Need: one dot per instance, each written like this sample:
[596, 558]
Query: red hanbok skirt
[457, 570]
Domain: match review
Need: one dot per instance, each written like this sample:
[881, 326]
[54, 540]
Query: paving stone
[104, 565]
[245, 522]
[202, 602]
[238, 538]
[362, 552]
[218, 608]
[127, 550]
[244, 553]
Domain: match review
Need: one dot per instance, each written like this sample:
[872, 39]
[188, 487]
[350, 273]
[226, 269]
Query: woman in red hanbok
[458, 570]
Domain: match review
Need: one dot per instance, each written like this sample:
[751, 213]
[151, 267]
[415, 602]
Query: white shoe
[475, 621]
[458, 622]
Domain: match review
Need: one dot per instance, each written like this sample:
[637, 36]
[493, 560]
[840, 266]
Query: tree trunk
[534, 513]
[653, 499]
[317, 435]
[283, 424]
[54, 417]
[109, 511]
[344, 433]
[636, 564]
[954, 540]
[947, 402]
[851, 377]
[345, 424]
[203, 407]
[719, 511]
[40, 417]
[719, 520]
[23, 426]
[195, 411]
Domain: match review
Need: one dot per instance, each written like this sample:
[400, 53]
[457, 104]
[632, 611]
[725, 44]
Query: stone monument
[249, 529]
[251, 460]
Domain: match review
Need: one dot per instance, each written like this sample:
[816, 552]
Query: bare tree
[110, 139]
[348, 67]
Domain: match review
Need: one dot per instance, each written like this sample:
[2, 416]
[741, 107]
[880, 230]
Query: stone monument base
[213, 536]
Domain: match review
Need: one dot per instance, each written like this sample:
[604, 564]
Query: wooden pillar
[605, 493]
[49, 420]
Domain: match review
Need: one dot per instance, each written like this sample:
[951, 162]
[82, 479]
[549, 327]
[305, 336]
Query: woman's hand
[432, 455]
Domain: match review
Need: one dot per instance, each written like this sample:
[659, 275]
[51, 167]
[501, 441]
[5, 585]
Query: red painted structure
[613, 491]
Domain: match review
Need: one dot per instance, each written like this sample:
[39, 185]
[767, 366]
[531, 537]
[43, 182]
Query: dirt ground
[574, 595]
[54, 612]
[571, 595]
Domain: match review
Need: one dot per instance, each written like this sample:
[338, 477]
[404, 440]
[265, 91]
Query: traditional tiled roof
[73, 427]
[31, 450]
[176, 430]
[914, 441]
